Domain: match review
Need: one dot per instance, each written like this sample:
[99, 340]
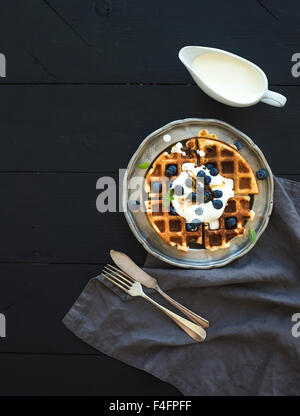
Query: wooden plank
[74, 134]
[49, 359]
[120, 41]
[98, 128]
[52, 218]
[46, 375]
[34, 299]
[282, 11]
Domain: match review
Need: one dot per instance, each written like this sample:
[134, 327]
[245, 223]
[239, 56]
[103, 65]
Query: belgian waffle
[158, 169]
[238, 207]
[171, 228]
[230, 163]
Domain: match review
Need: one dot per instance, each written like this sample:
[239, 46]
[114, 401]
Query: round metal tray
[150, 148]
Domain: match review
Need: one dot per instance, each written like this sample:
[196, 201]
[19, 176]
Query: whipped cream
[186, 209]
[200, 152]
[178, 149]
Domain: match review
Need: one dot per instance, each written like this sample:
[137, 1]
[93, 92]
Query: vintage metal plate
[150, 148]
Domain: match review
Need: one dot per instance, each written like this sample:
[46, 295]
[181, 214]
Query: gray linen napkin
[250, 347]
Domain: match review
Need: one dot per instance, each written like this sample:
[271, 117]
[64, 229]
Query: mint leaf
[252, 235]
[144, 165]
[166, 200]
[171, 194]
[167, 197]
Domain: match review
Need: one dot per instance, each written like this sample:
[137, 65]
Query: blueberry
[172, 210]
[171, 170]
[217, 193]
[133, 205]
[217, 203]
[178, 190]
[207, 179]
[199, 211]
[191, 226]
[201, 174]
[238, 145]
[192, 196]
[207, 196]
[210, 166]
[230, 223]
[189, 182]
[156, 187]
[262, 174]
[196, 221]
[214, 172]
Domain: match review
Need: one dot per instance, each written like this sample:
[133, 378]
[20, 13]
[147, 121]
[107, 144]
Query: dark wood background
[86, 82]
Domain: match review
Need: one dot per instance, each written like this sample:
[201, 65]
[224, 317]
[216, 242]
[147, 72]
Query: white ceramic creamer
[228, 78]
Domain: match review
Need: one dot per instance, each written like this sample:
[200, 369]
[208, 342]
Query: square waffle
[231, 164]
[171, 228]
[237, 207]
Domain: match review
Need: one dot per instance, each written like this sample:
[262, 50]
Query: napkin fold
[253, 344]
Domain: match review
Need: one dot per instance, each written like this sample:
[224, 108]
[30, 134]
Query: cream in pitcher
[228, 78]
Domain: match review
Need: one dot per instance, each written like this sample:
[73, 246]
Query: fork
[136, 273]
[134, 288]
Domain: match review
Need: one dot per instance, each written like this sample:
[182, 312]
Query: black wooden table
[86, 81]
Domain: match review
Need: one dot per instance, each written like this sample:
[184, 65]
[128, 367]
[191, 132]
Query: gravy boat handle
[273, 98]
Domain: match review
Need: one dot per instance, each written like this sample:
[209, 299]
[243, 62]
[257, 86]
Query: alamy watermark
[143, 194]
[2, 326]
[2, 65]
[296, 327]
[296, 67]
